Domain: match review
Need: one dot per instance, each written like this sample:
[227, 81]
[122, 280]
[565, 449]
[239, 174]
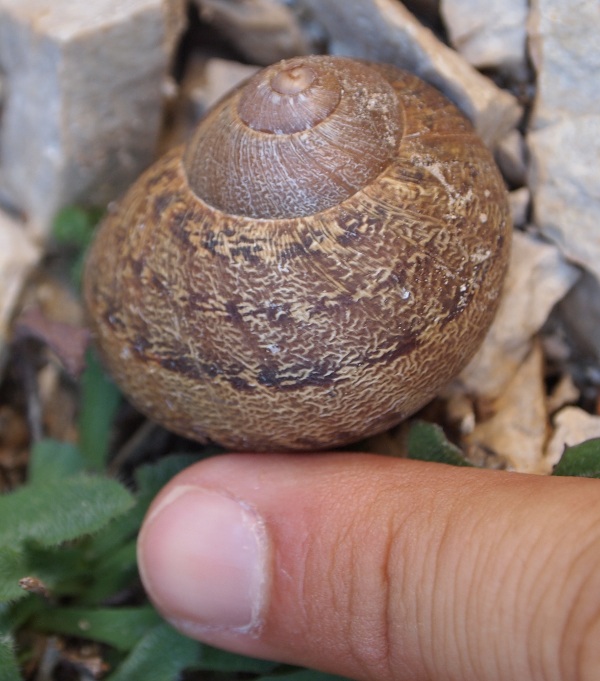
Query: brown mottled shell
[326, 254]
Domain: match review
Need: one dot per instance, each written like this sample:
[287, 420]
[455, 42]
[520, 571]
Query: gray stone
[384, 30]
[511, 156]
[564, 142]
[564, 179]
[264, 31]
[564, 48]
[83, 106]
[488, 34]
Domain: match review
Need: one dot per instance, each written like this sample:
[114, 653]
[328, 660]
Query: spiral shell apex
[325, 254]
[298, 118]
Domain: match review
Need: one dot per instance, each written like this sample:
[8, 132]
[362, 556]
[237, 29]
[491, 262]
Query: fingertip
[361, 565]
[205, 561]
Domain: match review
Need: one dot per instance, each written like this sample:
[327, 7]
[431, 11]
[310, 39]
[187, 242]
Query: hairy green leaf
[122, 628]
[427, 442]
[582, 460]
[151, 478]
[53, 460]
[99, 403]
[161, 655]
[13, 566]
[217, 660]
[58, 511]
[9, 668]
[14, 615]
[111, 573]
[63, 568]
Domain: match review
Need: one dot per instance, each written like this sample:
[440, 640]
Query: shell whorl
[298, 138]
[293, 99]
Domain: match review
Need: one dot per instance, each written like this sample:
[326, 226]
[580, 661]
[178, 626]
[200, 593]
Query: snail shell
[326, 254]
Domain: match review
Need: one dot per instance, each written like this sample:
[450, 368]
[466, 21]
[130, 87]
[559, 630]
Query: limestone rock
[83, 101]
[488, 35]
[264, 31]
[516, 432]
[511, 158]
[537, 279]
[564, 143]
[564, 180]
[566, 55]
[216, 77]
[384, 30]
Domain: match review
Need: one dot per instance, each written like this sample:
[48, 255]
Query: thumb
[379, 568]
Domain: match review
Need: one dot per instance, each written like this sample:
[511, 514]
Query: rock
[83, 103]
[516, 433]
[564, 179]
[537, 279]
[519, 200]
[566, 55]
[564, 393]
[564, 142]
[384, 30]
[572, 426]
[580, 312]
[488, 35]
[511, 158]
[212, 80]
[18, 255]
[264, 31]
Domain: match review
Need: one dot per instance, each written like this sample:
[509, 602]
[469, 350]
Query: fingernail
[204, 560]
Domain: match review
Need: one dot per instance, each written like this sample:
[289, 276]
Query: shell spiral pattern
[291, 144]
[326, 254]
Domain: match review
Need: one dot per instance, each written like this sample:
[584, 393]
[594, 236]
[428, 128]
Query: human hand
[382, 569]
